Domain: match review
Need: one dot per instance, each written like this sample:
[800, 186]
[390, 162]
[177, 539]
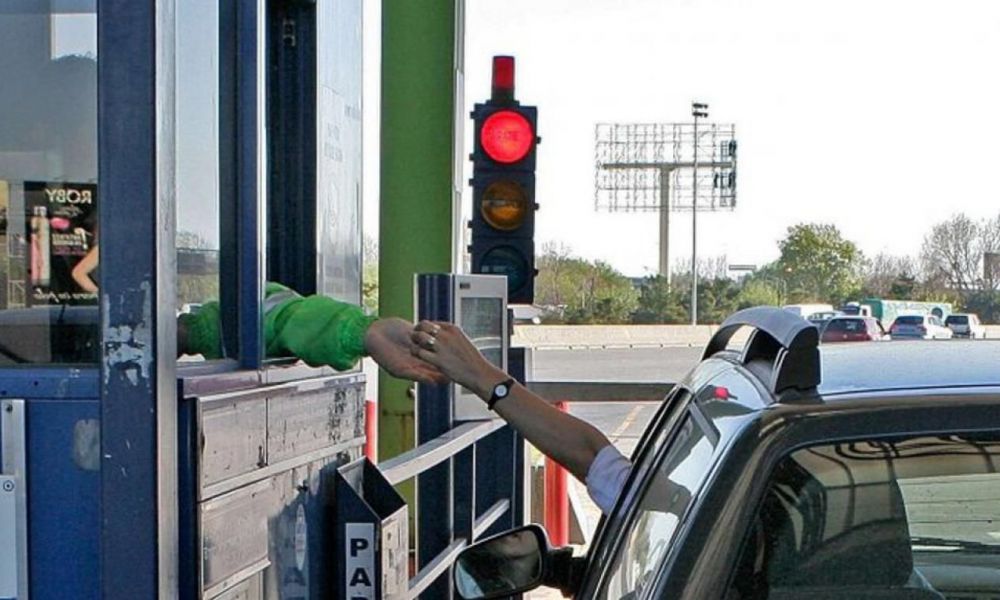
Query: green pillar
[415, 209]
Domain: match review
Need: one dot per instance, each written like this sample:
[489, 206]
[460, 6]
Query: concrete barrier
[631, 336]
[572, 336]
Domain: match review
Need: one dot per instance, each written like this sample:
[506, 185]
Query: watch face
[500, 390]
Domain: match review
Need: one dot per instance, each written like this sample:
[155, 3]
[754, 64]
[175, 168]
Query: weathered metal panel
[249, 589]
[235, 439]
[303, 421]
[235, 532]
[265, 458]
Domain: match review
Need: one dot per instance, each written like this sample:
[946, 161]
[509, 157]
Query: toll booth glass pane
[197, 151]
[48, 182]
[338, 198]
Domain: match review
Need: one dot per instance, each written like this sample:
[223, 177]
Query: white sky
[880, 116]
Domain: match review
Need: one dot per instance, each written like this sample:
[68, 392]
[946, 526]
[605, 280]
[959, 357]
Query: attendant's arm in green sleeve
[319, 330]
[322, 331]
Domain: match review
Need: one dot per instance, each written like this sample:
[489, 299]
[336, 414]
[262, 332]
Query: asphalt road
[666, 364]
[622, 422]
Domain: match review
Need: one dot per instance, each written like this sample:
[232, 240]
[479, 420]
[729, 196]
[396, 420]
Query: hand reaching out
[446, 347]
[388, 343]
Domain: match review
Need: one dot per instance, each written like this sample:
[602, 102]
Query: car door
[658, 510]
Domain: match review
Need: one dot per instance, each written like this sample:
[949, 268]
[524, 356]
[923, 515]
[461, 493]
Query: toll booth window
[314, 147]
[48, 183]
[197, 166]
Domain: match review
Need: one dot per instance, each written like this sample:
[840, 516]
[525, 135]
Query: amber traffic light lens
[504, 205]
[507, 136]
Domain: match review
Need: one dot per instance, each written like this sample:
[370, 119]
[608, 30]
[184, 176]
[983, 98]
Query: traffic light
[503, 186]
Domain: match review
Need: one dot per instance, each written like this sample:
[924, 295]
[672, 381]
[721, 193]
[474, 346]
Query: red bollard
[557, 498]
[371, 430]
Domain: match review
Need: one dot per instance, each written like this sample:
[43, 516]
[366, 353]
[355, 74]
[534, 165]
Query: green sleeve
[203, 331]
[317, 329]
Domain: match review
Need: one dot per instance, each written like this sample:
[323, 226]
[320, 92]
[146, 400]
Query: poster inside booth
[61, 229]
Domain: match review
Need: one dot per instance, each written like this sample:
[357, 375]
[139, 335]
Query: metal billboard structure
[664, 168]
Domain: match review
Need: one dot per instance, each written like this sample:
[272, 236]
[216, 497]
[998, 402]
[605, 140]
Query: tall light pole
[698, 110]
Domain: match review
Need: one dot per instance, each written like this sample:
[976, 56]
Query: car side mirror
[509, 563]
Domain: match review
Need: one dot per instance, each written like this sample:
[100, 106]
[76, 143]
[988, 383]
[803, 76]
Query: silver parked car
[917, 327]
[966, 325]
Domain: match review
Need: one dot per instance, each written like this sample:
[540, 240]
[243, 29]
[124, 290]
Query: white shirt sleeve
[606, 477]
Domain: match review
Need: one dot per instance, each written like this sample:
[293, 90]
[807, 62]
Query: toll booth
[161, 158]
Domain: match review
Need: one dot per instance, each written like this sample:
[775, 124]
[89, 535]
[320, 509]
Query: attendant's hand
[446, 347]
[388, 343]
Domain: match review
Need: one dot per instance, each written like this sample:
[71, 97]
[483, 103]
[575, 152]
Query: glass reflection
[503, 565]
[197, 168]
[48, 172]
[661, 508]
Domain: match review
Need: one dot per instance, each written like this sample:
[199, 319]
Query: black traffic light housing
[503, 186]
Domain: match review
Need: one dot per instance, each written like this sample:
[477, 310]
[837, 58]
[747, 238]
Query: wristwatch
[500, 391]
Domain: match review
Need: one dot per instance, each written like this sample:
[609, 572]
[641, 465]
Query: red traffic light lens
[506, 136]
[504, 205]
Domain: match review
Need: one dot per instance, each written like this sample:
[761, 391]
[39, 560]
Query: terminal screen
[482, 321]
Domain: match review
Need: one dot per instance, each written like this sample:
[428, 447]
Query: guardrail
[632, 336]
[600, 391]
[434, 453]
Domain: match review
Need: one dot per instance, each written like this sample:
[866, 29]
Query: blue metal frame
[251, 182]
[138, 390]
[291, 146]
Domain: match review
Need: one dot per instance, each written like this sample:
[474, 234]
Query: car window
[846, 325]
[921, 515]
[660, 510]
[910, 320]
[957, 320]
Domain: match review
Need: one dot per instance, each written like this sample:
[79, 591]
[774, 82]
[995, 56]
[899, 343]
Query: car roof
[911, 365]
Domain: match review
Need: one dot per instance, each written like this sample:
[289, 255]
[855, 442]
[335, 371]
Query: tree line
[959, 262]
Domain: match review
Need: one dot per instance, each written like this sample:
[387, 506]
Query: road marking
[627, 422]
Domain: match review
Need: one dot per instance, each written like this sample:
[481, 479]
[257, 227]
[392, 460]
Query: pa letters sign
[360, 553]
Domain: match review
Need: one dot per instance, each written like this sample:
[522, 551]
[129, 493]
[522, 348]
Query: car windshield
[910, 320]
[957, 320]
[846, 325]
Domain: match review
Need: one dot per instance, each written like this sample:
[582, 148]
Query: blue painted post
[137, 291]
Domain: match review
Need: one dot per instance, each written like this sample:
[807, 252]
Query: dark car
[789, 470]
[852, 329]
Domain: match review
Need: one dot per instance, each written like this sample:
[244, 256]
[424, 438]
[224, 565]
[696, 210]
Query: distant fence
[628, 336]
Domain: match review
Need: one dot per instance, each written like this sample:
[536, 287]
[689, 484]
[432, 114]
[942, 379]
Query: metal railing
[478, 464]
[435, 453]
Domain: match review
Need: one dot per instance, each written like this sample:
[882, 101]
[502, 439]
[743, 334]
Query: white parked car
[966, 325]
[916, 327]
